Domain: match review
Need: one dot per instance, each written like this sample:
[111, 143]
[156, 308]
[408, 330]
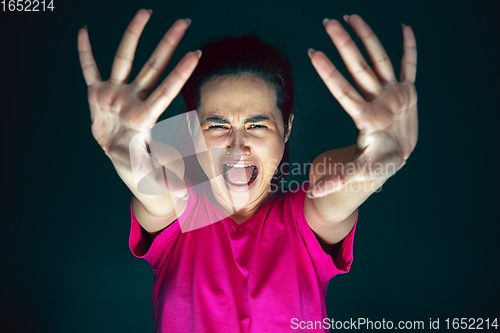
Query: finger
[162, 96]
[352, 102]
[154, 68]
[126, 50]
[380, 60]
[409, 61]
[361, 72]
[87, 61]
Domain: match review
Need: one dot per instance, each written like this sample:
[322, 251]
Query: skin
[386, 115]
[235, 102]
[384, 110]
[120, 110]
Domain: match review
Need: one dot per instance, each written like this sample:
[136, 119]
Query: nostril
[238, 152]
[233, 152]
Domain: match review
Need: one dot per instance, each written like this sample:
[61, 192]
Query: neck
[247, 211]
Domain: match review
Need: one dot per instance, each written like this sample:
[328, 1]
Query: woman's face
[243, 130]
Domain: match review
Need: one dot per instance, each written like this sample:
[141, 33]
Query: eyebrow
[251, 119]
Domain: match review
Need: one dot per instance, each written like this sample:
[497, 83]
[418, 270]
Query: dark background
[426, 246]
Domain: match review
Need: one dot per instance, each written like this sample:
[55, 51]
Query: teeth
[239, 183]
[238, 165]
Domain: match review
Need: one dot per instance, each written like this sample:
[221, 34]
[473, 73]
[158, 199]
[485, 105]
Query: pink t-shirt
[252, 277]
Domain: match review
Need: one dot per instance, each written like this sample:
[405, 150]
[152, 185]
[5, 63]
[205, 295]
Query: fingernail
[325, 21]
[346, 18]
[188, 20]
[310, 195]
[198, 52]
[310, 52]
[150, 11]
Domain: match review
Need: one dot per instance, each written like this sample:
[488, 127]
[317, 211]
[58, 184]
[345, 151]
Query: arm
[386, 116]
[123, 114]
[154, 212]
[331, 217]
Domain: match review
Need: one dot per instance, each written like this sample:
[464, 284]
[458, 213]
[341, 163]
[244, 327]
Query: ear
[289, 129]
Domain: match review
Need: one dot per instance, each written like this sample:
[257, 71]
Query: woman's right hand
[120, 110]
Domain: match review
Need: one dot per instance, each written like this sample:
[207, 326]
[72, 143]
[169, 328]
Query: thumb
[336, 179]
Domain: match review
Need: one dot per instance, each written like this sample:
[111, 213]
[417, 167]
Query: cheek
[271, 154]
[208, 150]
[210, 138]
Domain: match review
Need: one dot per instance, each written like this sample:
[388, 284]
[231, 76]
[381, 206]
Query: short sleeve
[156, 252]
[326, 267]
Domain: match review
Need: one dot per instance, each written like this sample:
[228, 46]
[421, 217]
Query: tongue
[239, 176]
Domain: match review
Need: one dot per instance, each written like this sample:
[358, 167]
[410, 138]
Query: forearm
[339, 205]
[157, 205]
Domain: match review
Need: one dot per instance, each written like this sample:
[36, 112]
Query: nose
[237, 145]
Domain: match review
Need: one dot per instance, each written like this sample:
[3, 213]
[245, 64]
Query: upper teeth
[238, 165]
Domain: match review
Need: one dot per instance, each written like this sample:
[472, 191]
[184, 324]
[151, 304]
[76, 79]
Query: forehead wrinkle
[235, 97]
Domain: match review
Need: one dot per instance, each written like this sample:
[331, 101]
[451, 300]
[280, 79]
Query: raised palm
[120, 110]
[385, 113]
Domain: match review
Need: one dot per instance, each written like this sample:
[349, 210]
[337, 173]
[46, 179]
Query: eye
[257, 126]
[217, 127]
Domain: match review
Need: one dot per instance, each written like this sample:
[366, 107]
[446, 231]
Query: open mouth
[239, 174]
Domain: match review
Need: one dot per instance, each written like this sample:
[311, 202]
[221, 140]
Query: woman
[236, 256]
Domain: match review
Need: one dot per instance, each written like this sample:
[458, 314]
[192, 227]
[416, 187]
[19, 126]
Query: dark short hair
[252, 56]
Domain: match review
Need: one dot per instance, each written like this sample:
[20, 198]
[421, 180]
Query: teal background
[426, 246]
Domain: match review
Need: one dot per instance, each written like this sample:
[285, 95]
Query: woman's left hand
[386, 114]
